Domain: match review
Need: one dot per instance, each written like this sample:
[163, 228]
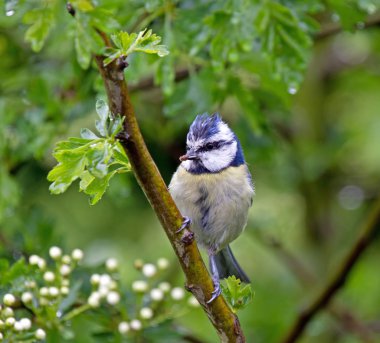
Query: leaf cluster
[93, 159]
[237, 295]
[144, 41]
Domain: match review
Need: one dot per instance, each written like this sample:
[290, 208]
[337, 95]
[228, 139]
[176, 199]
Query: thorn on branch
[121, 63]
[188, 237]
[123, 137]
[70, 8]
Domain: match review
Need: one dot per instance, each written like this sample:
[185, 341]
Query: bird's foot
[216, 292]
[185, 224]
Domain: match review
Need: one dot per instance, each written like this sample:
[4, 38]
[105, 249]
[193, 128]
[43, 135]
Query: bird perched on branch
[213, 189]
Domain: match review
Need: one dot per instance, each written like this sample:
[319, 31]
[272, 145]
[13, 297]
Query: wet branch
[370, 227]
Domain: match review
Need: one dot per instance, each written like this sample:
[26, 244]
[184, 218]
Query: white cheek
[216, 160]
[186, 164]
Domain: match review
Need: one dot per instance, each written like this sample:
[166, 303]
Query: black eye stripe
[214, 145]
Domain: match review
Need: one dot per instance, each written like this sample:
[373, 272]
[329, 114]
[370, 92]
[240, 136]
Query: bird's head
[211, 146]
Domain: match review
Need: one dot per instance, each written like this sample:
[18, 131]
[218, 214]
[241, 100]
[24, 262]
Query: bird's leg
[186, 223]
[215, 276]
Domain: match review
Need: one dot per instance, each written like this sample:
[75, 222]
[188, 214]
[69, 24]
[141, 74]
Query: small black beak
[188, 157]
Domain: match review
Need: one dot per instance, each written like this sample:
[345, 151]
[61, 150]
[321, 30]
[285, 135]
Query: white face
[214, 153]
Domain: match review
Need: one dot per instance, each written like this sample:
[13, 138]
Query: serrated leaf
[90, 158]
[86, 179]
[102, 109]
[88, 134]
[97, 187]
[236, 294]
[68, 170]
[144, 41]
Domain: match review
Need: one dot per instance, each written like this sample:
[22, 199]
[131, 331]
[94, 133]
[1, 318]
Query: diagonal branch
[198, 280]
[370, 227]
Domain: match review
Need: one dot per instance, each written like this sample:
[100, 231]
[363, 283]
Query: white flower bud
[113, 298]
[33, 260]
[26, 323]
[146, 313]
[40, 334]
[65, 290]
[163, 263]
[123, 327]
[149, 270]
[18, 326]
[1, 324]
[77, 254]
[10, 321]
[53, 291]
[26, 297]
[193, 302]
[1, 336]
[95, 279]
[55, 253]
[177, 293]
[156, 294]
[65, 270]
[8, 312]
[44, 301]
[30, 284]
[140, 286]
[105, 280]
[41, 264]
[44, 291]
[66, 259]
[103, 291]
[49, 276]
[164, 286]
[135, 324]
[9, 299]
[94, 299]
[65, 282]
[112, 264]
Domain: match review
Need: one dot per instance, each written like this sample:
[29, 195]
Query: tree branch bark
[198, 280]
[369, 228]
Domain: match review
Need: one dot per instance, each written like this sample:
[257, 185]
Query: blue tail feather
[227, 265]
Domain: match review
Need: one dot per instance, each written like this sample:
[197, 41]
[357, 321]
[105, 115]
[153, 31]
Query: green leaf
[42, 21]
[17, 270]
[97, 187]
[144, 41]
[70, 167]
[83, 5]
[236, 294]
[92, 159]
[88, 134]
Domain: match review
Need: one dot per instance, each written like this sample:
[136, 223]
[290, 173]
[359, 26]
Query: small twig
[370, 227]
[148, 83]
[345, 317]
[331, 29]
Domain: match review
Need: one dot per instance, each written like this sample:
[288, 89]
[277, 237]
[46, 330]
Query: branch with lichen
[198, 280]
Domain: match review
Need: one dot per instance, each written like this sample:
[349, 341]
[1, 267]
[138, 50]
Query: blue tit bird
[213, 188]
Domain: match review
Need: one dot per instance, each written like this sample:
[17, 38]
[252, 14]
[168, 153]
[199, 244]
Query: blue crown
[204, 126]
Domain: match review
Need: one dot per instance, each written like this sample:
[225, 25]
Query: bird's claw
[186, 223]
[215, 293]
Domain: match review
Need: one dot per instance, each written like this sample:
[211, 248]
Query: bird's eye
[209, 146]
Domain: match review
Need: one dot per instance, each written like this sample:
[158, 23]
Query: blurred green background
[309, 126]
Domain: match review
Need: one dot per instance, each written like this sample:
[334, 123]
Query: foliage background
[301, 96]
